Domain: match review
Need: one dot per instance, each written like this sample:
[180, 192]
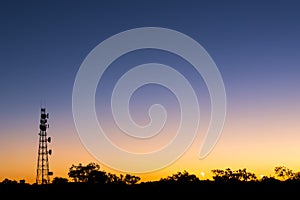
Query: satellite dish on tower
[43, 173]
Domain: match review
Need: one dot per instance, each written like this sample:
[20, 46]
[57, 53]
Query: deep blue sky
[255, 44]
[44, 42]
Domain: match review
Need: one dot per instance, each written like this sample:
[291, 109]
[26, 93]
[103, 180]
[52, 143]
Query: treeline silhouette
[89, 180]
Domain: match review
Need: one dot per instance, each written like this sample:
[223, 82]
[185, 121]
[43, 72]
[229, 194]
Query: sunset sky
[254, 44]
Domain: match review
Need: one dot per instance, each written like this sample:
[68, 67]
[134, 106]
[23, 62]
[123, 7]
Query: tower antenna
[42, 172]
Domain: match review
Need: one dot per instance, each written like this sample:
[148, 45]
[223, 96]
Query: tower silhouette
[42, 172]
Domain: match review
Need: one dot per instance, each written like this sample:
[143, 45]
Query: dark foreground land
[154, 190]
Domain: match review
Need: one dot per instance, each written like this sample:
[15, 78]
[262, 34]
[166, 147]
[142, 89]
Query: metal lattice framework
[42, 173]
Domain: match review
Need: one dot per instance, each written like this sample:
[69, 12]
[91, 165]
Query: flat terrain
[155, 190]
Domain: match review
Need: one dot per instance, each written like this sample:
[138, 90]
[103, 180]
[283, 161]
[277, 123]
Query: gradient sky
[255, 45]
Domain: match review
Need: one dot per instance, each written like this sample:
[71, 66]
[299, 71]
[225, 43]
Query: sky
[255, 46]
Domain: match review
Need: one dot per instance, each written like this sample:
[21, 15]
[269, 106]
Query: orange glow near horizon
[254, 150]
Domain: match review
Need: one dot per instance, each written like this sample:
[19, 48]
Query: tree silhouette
[131, 179]
[8, 181]
[59, 180]
[296, 176]
[181, 177]
[98, 177]
[91, 174]
[266, 179]
[233, 175]
[113, 178]
[81, 173]
[285, 173]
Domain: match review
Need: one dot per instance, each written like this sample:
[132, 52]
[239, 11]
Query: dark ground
[154, 190]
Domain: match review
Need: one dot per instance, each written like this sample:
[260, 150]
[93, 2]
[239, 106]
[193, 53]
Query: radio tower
[42, 171]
